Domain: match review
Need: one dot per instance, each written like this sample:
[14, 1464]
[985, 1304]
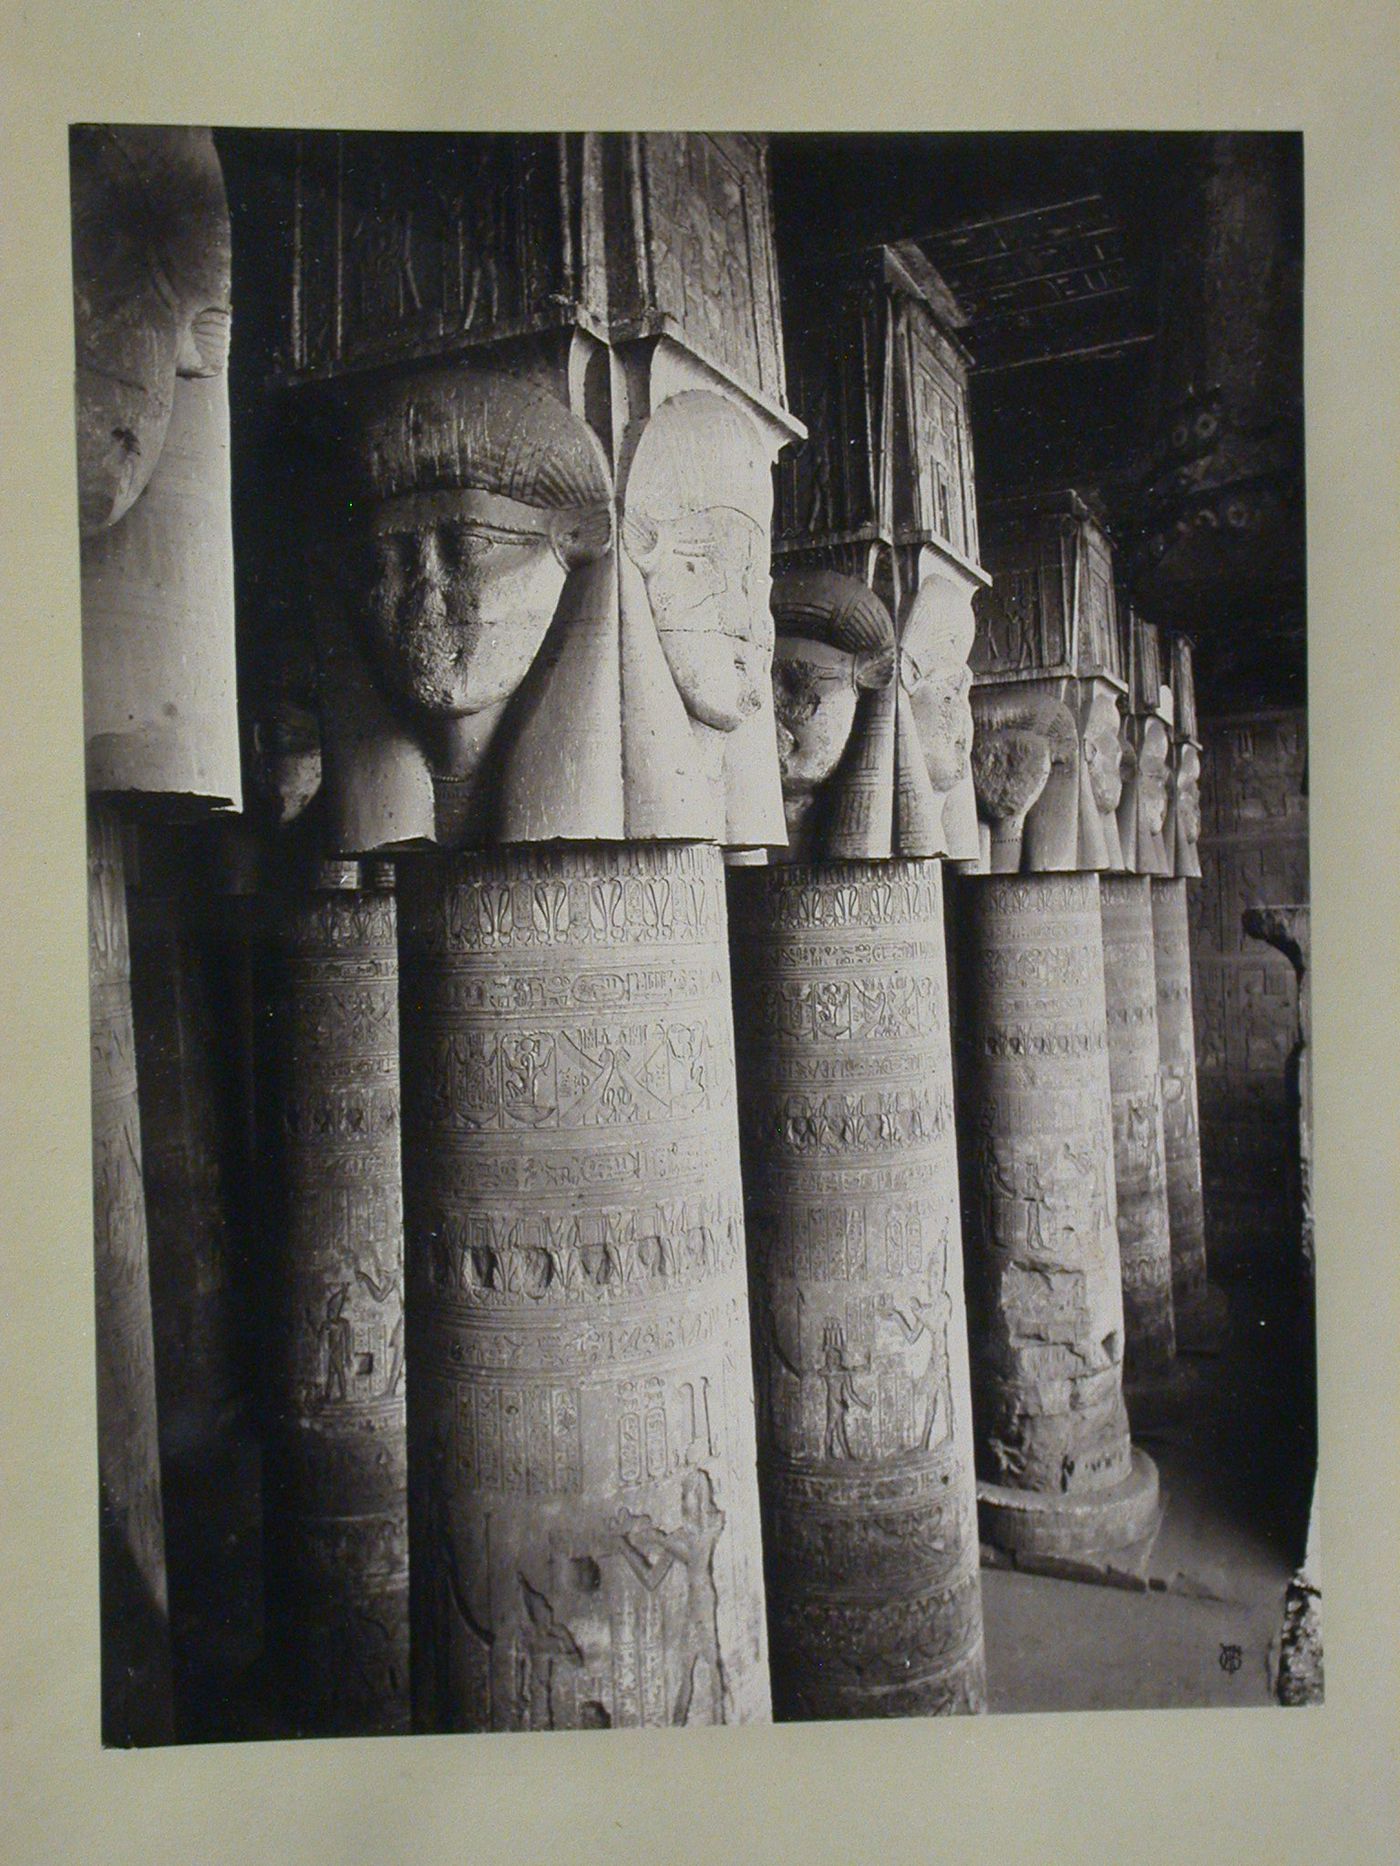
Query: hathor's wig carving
[456, 429]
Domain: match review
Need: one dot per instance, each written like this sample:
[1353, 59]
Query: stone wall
[1254, 851]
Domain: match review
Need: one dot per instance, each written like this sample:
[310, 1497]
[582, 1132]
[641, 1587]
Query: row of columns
[614, 1308]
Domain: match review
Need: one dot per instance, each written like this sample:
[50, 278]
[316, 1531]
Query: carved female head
[150, 297]
[482, 493]
[699, 507]
[933, 670]
[1188, 794]
[1103, 751]
[835, 642]
[1152, 776]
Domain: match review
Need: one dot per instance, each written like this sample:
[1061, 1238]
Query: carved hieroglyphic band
[584, 1499]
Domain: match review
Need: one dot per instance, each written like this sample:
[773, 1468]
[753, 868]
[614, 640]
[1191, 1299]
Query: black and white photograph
[660, 1056]
[697, 747]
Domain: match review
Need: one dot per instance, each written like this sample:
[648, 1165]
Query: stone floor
[1191, 1618]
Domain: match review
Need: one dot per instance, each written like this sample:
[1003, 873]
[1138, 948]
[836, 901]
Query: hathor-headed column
[545, 644]
[845, 1063]
[337, 1506]
[1139, 1145]
[151, 316]
[1058, 1473]
[1199, 1306]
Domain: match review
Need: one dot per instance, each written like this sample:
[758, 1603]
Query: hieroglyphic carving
[1040, 1209]
[1139, 1146]
[585, 1513]
[136, 1678]
[496, 668]
[337, 1555]
[850, 1183]
[151, 316]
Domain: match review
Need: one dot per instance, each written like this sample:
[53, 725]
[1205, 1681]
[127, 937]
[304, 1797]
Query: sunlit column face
[1103, 752]
[943, 715]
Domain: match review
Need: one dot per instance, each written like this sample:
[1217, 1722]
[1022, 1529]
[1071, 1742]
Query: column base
[1202, 1325]
[1091, 1522]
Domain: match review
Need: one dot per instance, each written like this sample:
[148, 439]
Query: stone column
[1059, 1475]
[585, 1510]
[850, 1177]
[135, 1616]
[209, 1458]
[336, 1487]
[542, 533]
[1199, 1307]
[151, 319]
[1139, 1145]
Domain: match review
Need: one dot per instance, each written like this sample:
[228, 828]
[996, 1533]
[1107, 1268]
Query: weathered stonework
[851, 1207]
[1139, 1146]
[1199, 1307]
[136, 1675]
[337, 1531]
[1288, 928]
[1058, 1474]
[151, 309]
[584, 1500]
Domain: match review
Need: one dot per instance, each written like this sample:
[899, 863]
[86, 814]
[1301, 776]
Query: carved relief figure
[838, 1377]
[1142, 813]
[391, 1291]
[651, 1553]
[1183, 828]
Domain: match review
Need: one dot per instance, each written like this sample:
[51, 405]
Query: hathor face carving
[814, 699]
[937, 639]
[1152, 778]
[1188, 794]
[150, 298]
[495, 492]
[1103, 752]
[699, 509]
[835, 649]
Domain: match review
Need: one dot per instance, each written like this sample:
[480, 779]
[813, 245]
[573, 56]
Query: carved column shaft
[209, 1461]
[585, 1508]
[1139, 1147]
[337, 1556]
[851, 1202]
[1059, 1475]
[136, 1682]
[1197, 1305]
